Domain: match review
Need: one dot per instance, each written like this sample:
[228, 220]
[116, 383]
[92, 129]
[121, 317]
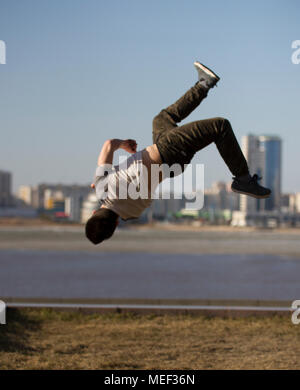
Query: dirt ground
[47, 339]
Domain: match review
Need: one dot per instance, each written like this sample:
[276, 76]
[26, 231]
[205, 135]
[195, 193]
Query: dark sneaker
[207, 78]
[250, 187]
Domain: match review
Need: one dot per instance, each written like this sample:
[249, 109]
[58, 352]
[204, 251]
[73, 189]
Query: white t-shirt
[124, 188]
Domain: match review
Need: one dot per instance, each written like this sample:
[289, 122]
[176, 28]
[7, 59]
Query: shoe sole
[206, 70]
[248, 193]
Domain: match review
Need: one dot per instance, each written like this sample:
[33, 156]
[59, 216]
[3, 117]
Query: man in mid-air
[172, 145]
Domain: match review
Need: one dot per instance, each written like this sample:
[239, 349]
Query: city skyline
[220, 206]
[255, 152]
[78, 73]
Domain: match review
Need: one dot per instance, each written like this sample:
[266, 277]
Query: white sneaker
[207, 78]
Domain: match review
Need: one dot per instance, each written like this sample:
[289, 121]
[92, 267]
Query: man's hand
[126, 144]
[111, 145]
[129, 145]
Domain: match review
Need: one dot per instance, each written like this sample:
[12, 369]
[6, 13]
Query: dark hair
[101, 225]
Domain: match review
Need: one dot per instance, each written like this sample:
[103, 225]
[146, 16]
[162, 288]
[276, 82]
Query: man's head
[101, 225]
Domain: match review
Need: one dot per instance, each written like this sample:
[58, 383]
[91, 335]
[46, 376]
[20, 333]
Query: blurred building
[287, 215]
[73, 206]
[25, 194]
[220, 197]
[294, 202]
[37, 196]
[90, 204]
[263, 154]
[60, 199]
[219, 202]
[53, 199]
[164, 208]
[6, 198]
[271, 148]
[285, 202]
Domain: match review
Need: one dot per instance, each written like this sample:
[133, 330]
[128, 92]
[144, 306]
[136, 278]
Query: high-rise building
[263, 154]
[271, 149]
[6, 199]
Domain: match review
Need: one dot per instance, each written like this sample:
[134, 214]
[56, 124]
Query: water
[73, 274]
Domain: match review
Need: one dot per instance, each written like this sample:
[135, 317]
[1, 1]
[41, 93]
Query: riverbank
[164, 226]
[153, 239]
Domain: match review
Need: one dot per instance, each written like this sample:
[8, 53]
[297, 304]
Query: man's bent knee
[222, 124]
[222, 121]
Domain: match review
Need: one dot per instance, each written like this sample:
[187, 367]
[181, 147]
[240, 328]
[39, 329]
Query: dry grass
[45, 339]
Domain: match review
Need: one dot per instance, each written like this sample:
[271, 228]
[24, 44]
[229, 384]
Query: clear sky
[81, 71]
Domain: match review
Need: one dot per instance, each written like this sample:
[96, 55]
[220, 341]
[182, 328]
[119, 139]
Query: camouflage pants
[178, 144]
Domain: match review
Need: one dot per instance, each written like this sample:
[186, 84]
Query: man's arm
[111, 145]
